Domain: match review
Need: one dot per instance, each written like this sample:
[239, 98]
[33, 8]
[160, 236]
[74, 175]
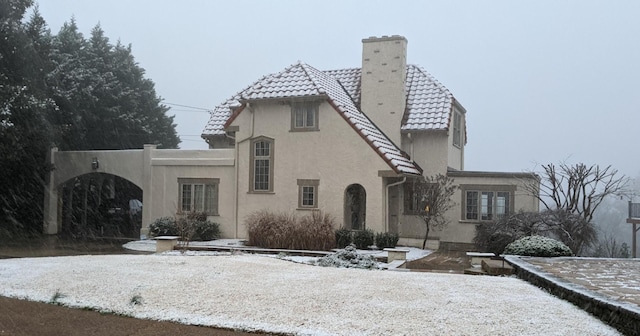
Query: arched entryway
[100, 205]
[355, 207]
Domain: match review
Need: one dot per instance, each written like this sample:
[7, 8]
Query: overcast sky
[542, 81]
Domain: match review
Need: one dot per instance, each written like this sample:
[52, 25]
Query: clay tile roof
[302, 80]
[429, 103]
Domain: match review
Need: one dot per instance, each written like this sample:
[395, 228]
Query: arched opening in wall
[355, 207]
[100, 205]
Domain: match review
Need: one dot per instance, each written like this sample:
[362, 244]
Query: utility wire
[187, 106]
[188, 111]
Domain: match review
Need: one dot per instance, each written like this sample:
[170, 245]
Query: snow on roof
[303, 80]
[428, 107]
[429, 103]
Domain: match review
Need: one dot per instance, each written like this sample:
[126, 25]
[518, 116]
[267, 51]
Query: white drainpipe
[237, 193]
[386, 203]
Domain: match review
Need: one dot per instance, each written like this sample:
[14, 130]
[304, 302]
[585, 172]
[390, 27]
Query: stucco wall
[166, 195]
[429, 149]
[459, 230]
[336, 155]
[127, 164]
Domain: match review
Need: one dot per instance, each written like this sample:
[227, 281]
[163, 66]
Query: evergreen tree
[24, 131]
[65, 90]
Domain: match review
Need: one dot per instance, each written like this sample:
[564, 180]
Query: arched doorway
[100, 205]
[355, 207]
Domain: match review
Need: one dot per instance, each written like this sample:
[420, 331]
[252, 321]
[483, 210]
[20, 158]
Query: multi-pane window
[413, 202]
[262, 165]
[457, 129]
[486, 205]
[304, 116]
[308, 193]
[199, 195]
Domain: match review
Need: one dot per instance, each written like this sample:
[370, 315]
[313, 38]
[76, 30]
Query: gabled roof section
[429, 103]
[302, 80]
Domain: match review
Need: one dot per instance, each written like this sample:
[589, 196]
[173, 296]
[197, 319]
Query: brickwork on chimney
[384, 72]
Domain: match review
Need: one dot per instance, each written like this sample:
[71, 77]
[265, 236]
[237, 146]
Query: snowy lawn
[257, 293]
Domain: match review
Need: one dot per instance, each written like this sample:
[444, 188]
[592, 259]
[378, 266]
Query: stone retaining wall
[622, 316]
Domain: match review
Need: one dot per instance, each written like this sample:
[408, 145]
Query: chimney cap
[384, 38]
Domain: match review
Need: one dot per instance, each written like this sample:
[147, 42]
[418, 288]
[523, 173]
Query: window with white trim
[199, 195]
[308, 194]
[261, 165]
[486, 203]
[304, 116]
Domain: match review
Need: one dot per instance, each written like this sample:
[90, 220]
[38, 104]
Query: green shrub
[343, 237]
[197, 216]
[538, 246]
[363, 239]
[205, 230]
[496, 235]
[163, 226]
[287, 231]
[386, 239]
[194, 226]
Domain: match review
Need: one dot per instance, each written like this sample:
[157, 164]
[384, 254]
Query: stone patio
[607, 288]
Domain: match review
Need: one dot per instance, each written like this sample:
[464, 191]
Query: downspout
[410, 145]
[386, 203]
[237, 185]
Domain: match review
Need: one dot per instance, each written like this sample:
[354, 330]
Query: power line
[187, 106]
[188, 111]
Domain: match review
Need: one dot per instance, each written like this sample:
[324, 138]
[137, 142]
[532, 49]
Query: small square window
[308, 193]
[304, 116]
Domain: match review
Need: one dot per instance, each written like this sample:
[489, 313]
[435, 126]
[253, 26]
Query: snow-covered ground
[150, 246]
[253, 292]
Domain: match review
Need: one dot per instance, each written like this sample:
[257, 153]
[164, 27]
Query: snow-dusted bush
[386, 239]
[363, 239]
[348, 258]
[194, 227]
[538, 246]
[205, 230]
[343, 237]
[163, 226]
[494, 236]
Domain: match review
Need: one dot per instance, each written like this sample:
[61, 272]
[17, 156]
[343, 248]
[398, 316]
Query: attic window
[304, 116]
[457, 125]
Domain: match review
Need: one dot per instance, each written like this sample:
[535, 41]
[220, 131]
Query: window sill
[187, 213]
[304, 130]
[475, 221]
[261, 192]
[307, 209]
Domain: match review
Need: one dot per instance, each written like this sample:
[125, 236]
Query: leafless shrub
[285, 230]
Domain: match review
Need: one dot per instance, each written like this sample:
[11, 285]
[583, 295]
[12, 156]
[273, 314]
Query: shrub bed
[343, 237]
[163, 226]
[363, 239]
[386, 240]
[287, 231]
[194, 227]
[538, 246]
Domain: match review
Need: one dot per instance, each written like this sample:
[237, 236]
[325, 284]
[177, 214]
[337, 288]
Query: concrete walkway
[607, 288]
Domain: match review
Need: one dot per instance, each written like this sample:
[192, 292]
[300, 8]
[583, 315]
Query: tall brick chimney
[384, 72]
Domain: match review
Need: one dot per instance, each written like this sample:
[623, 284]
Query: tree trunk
[426, 235]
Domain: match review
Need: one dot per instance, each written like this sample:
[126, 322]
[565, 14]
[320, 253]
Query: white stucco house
[350, 142]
